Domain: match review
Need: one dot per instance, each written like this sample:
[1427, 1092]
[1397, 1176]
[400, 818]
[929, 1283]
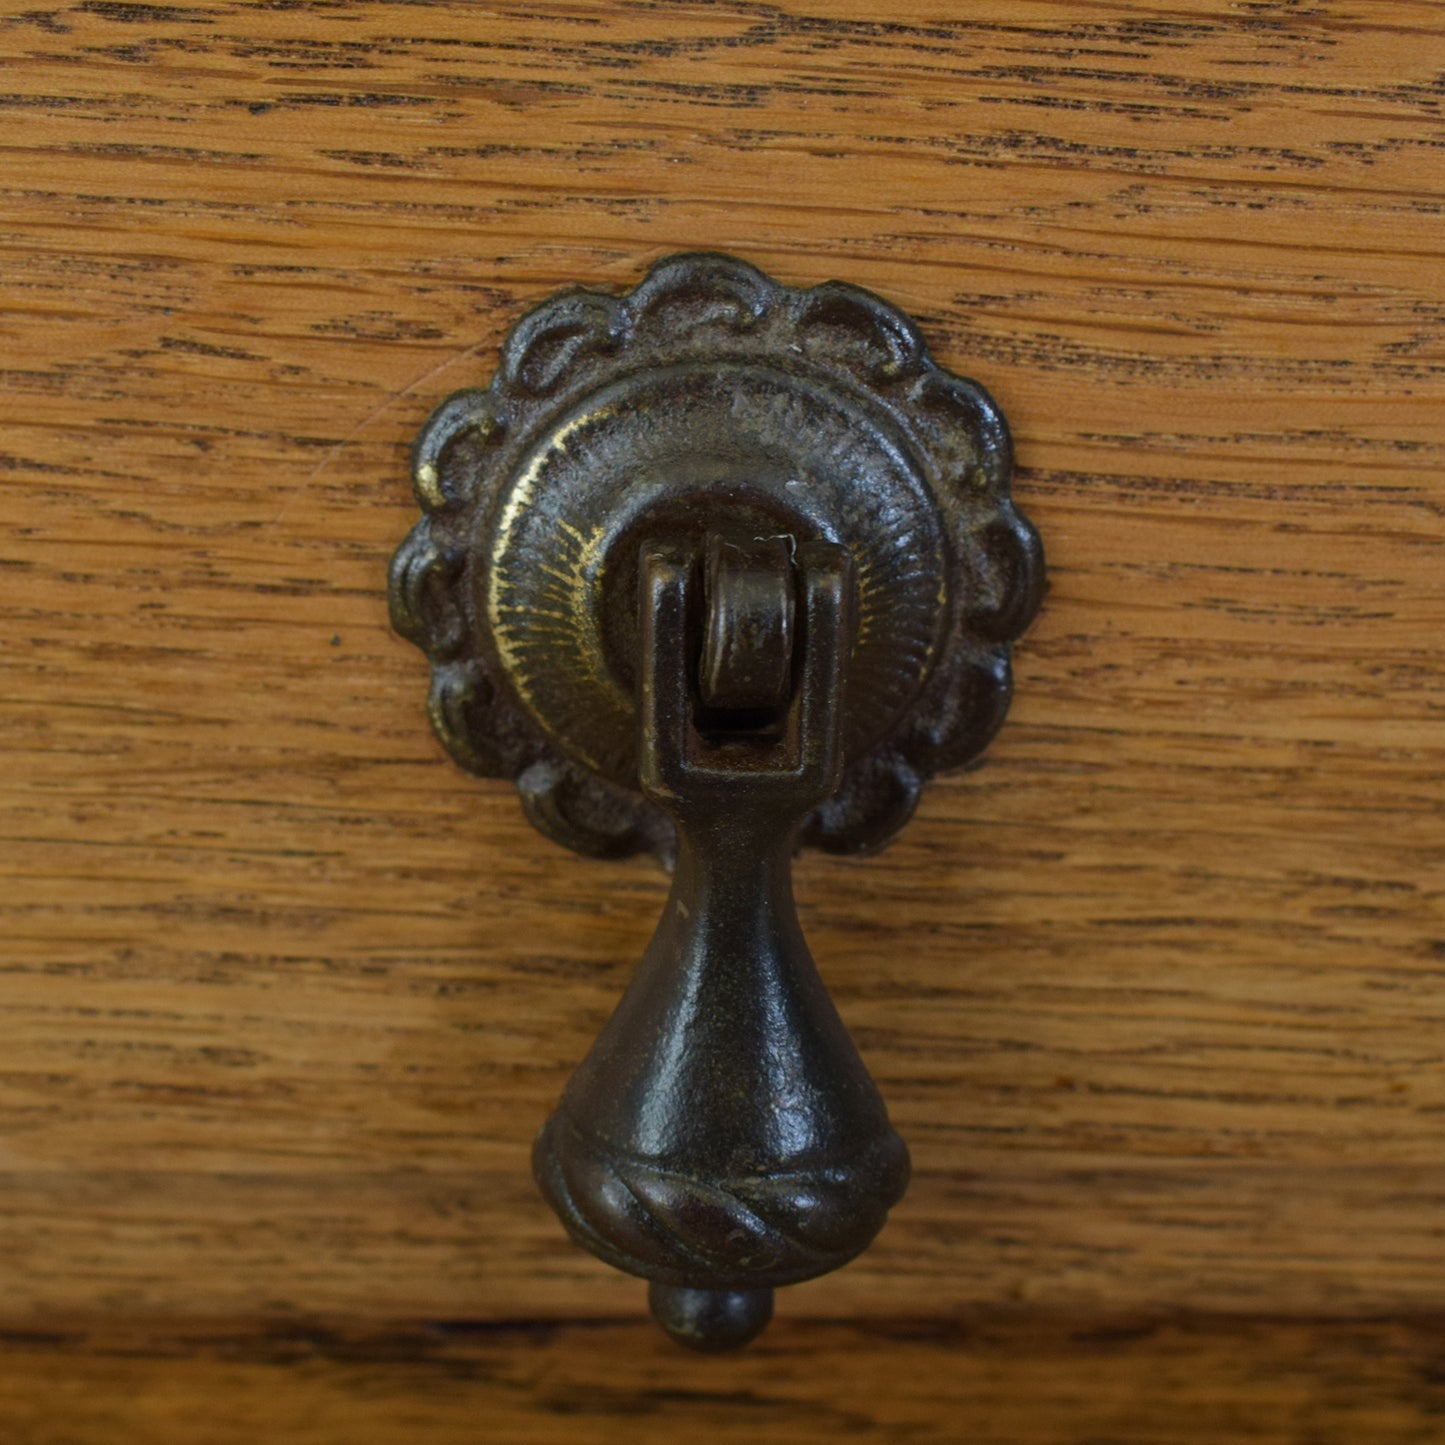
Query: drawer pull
[714, 570]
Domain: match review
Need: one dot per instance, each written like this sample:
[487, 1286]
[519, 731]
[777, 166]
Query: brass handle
[712, 569]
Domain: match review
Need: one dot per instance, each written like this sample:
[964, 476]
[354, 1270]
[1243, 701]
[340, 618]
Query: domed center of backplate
[677, 454]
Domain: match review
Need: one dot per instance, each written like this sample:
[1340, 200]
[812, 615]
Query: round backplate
[710, 401]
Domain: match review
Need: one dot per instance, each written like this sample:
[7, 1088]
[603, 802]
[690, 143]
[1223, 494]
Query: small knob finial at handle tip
[711, 1320]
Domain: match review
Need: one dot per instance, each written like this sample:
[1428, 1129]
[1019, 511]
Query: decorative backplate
[710, 400]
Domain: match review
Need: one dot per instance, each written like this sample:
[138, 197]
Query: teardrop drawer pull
[715, 570]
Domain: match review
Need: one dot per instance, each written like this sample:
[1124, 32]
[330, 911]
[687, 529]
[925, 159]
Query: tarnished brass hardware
[717, 569]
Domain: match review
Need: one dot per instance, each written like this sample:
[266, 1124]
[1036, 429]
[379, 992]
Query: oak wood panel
[1225, 1382]
[1155, 995]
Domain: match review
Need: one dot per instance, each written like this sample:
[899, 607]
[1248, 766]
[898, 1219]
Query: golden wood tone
[1155, 995]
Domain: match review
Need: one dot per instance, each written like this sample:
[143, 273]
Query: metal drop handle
[723, 1136]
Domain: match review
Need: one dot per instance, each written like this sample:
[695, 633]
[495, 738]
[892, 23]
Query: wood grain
[1232, 1382]
[1155, 995]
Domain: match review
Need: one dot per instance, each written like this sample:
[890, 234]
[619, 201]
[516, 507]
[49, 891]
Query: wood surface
[1155, 995]
[916, 1382]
